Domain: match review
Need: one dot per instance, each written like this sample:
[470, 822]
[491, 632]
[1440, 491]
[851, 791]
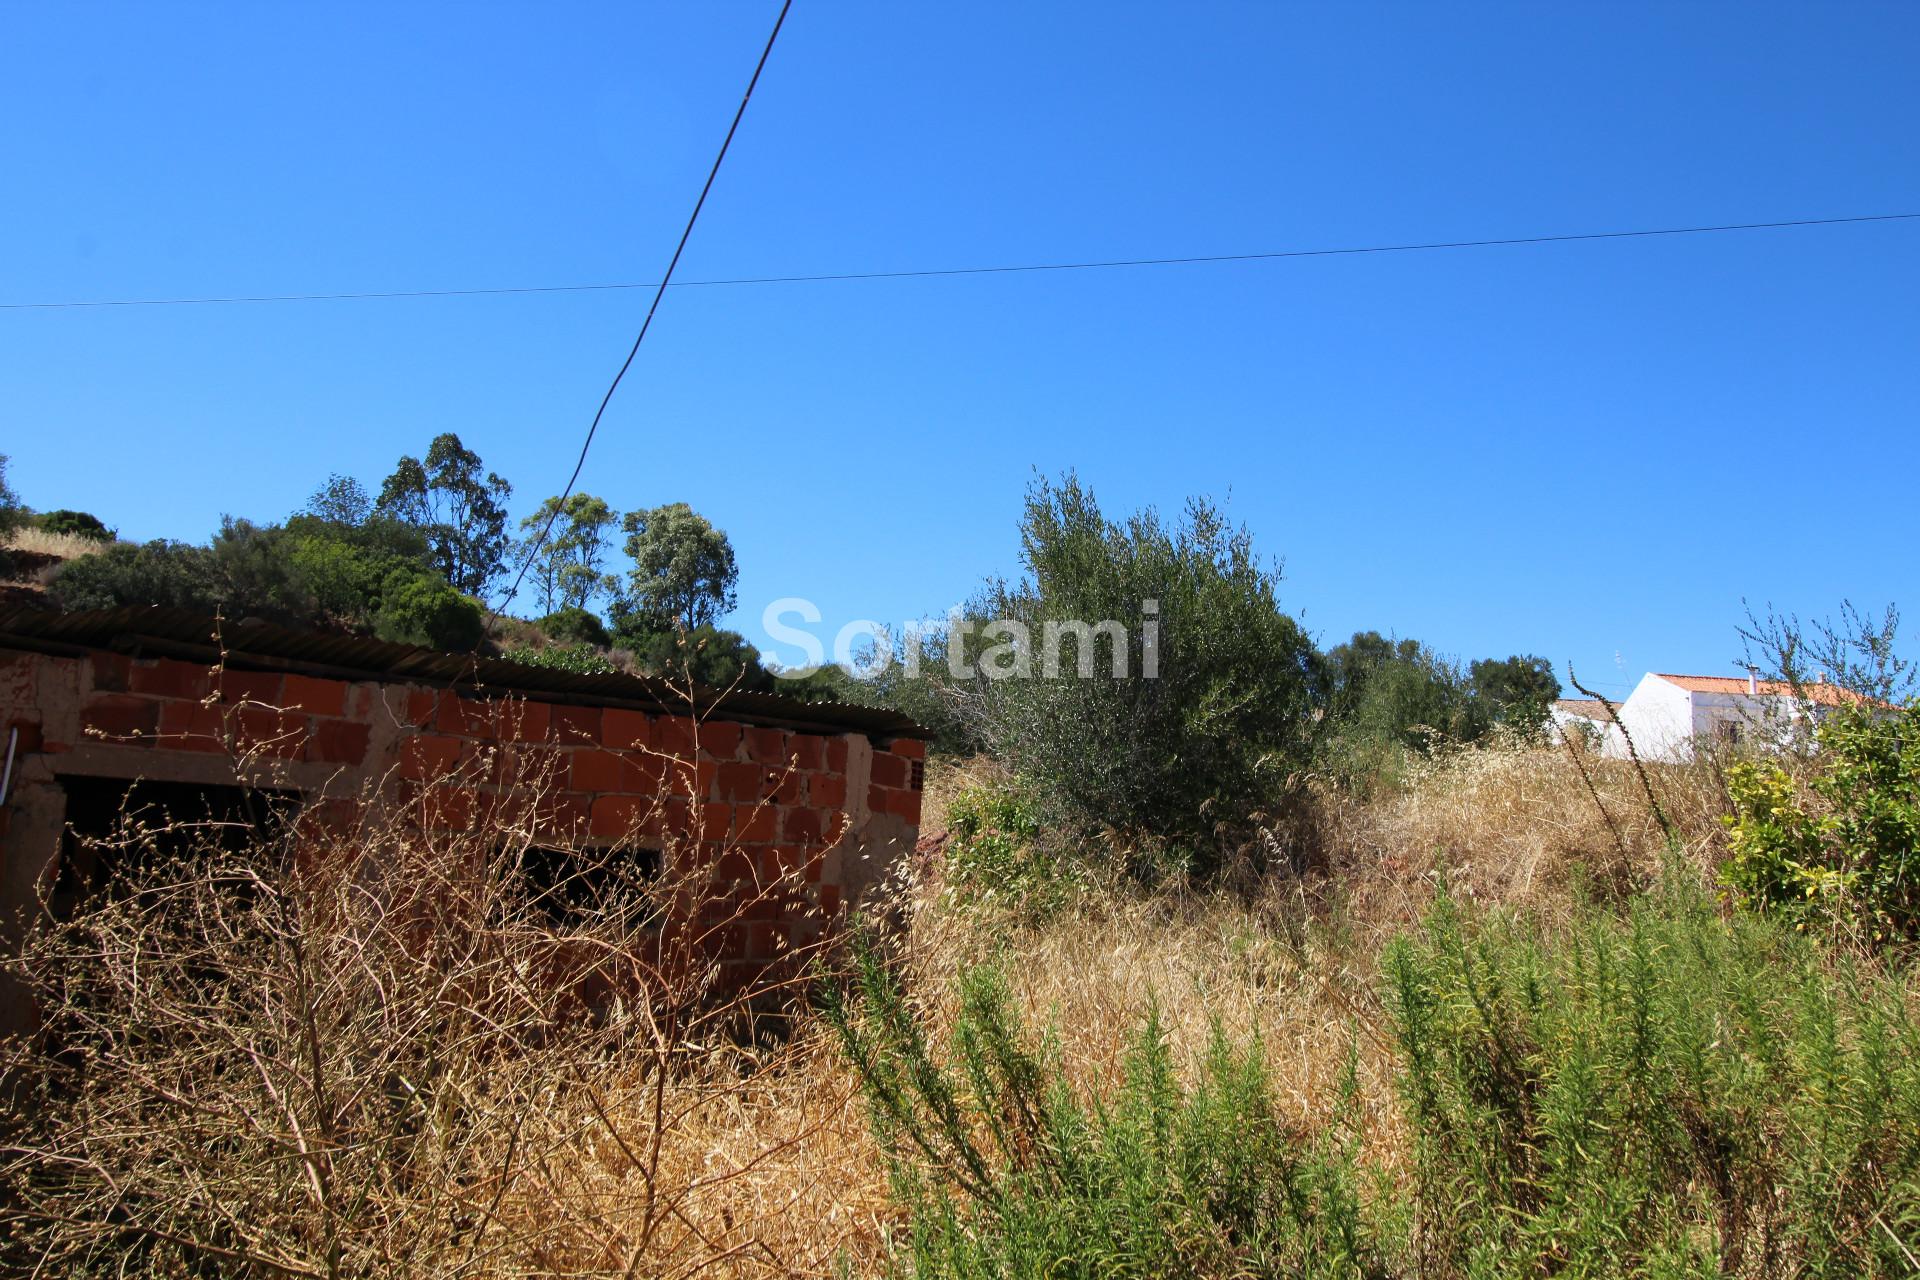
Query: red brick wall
[811, 811]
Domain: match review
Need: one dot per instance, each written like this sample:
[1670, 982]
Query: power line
[928, 273]
[658, 293]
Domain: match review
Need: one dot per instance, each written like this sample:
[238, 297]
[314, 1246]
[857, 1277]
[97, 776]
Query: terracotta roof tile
[1826, 695]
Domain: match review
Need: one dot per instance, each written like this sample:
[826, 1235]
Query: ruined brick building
[108, 710]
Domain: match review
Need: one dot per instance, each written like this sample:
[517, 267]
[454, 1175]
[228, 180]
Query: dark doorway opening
[569, 886]
[118, 827]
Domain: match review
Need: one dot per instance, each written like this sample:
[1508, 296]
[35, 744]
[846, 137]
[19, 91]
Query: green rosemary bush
[1667, 1094]
[1007, 1172]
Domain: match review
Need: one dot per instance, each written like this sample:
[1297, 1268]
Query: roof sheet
[252, 642]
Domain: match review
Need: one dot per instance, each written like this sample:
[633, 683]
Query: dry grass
[1516, 826]
[61, 546]
[636, 1156]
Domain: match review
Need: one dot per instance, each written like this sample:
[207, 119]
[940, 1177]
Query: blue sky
[1589, 451]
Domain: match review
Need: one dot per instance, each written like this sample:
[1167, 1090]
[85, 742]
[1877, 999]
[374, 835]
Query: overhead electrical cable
[659, 292]
[934, 272]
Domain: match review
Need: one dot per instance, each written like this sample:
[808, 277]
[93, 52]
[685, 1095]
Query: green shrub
[12, 511]
[80, 524]
[174, 574]
[1667, 1094]
[578, 658]
[420, 608]
[1654, 1092]
[1198, 754]
[1850, 853]
[1007, 1173]
[711, 656]
[994, 854]
[573, 625]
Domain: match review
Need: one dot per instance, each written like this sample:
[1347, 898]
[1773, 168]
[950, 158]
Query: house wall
[827, 814]
[1659, 716]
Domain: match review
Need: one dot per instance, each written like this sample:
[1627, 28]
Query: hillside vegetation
[1284, 961]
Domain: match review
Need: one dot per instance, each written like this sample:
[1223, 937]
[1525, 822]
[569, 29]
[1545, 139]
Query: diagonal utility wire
[1003, 269]
[647, 323]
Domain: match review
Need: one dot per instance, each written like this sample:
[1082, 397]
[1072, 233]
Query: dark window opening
[117, 829]
[570, 886]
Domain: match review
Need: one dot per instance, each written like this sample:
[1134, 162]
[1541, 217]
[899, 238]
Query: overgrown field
[1496, 1029]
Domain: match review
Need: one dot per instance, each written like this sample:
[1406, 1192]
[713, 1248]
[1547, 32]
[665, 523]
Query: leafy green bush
[573, 625]
[1198, 753]
[993, 851]
[80, 524]
[711, 656]
[580, 659]
[1668, 1094]
[370, 577]
[173, 574]
[1848, 853]
[420, 608]
[1007, 1173]
[12, 512]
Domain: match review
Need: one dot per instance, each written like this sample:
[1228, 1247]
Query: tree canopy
[683, 574]
[458, 506]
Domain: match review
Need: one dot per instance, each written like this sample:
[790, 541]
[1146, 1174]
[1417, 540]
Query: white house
[1667, 714]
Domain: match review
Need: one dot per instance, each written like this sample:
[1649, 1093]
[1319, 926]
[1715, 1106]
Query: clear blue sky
[1588, 451]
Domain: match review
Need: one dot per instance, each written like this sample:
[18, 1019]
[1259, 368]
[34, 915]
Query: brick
[250, 686]
[524, 721]
[715, 820]
[562, 814]
[740, 780]
[830, 899]
[827, 790]
[625, 729]
[426, 756]
[339, 742]
[576, 724]
[192, 726]
[674, 736]
[809, 750]
[790, 862]
[786, 786]
[767, 746]
[122, 717]
[111, 671]
[617, 817]
[890, 770]
[421, 705]
[687, 777]
[591, 769]
[720, 739]
[836, 755]
[315, 697]
[169, 679]
[755, 824]
[802, 826]
[735, 866]
[267, 731]
[531, 765]
[448, 808]
[901, 803]
[911, 748]
[467, 717]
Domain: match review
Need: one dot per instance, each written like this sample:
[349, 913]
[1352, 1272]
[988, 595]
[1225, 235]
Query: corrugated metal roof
[253, 642]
